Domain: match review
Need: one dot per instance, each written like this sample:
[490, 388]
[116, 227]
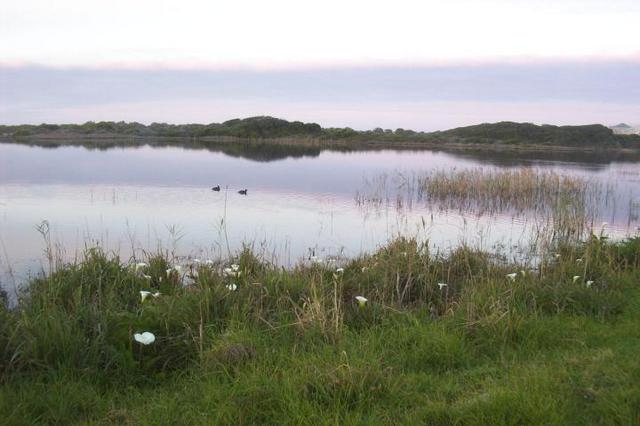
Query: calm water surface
[142, 198]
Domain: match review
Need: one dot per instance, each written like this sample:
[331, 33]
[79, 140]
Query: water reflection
[265, 152]
[144, 197]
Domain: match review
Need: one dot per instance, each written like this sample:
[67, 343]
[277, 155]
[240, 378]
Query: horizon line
[297, 66]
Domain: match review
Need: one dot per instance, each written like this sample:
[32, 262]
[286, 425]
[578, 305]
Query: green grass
[292, 347]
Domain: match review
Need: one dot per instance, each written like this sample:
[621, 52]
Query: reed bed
[496, 190]
[563, 207]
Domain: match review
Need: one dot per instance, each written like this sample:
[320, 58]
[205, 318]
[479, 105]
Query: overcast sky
[413, 64]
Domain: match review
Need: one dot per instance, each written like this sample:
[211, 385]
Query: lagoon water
[145, 198]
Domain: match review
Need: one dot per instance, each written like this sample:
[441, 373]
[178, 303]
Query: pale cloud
[293, 33]
[427, 98]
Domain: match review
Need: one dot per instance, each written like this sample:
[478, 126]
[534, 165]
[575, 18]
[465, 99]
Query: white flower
[364, 269]
[512, 276]
[579, 260]
[145, 338]
[362, 301]
[523, 273]
[442, 285]
[231, 287]
[235, 267]
[176, 268]
[589, 283]
[340, 270]
[148, 277]
[557, 256]
[576, 278]
[315, 259]
[144, 294]
[209, 262]
[140, 265]
[230, 272]
[196, 261]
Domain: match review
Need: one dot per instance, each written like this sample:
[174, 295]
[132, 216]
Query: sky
[424, 65]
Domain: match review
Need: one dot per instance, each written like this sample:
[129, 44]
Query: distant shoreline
[272, 131]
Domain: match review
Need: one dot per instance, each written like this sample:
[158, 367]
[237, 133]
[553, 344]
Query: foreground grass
[292, 347]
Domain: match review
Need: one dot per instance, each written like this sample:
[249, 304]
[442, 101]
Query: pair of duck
[217, 189]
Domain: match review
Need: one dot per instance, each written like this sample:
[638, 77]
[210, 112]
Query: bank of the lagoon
[401, 336]
[274, 131]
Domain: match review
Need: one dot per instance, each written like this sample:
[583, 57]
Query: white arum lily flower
[176, 268]
[339, 270]
[576, 278]
[148, 277]
[145, 338]
[579, 260]
[589, 283]
[362, 301]
[235, 267]
[232, 272]
[442, 285]
[144, 294]
[512, 276]
[557, 256]
[231, 287]
[523, 273]
[140, 265]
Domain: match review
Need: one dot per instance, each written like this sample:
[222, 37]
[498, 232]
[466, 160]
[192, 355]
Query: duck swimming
[216, 188]
[242, 192]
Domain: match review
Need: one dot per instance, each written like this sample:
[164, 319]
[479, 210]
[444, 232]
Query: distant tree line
[264, 127]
